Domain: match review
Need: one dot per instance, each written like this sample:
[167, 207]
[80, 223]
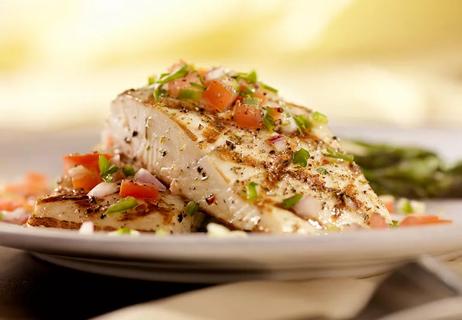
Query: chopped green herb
[251, 101]
[302, 122]
[251, 191]
[124, 230]
[159, 92]
[322, 170]
[128, 171]
[106, 169]
[318, 118]
[180, 73]
[151, 80]
[405, 206]
[246, 91]
[189, 94]
[332, 153]
[122, 205]
[394, 224]
[301, 157]
[197, 85]
[269, 88]
[191, 208]
[292, 201]
[2, 215]
[268, 121]
[250, 77]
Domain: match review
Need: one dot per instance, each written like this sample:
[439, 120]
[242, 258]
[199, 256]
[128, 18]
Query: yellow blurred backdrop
[385, 61]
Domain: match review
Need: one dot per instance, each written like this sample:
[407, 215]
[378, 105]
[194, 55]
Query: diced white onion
[278, 142]
[288, 125]
[17, 216]
[87, 228]
[215, 73]
[144, 176]
[77, 171]
[218, 231]
[103, 189]
[308, 206]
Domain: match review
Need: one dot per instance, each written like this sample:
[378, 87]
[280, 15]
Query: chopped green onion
[268, 121]
[124, 230]
[197, 85]
[161, 232]
[250, 77]
[191, 208]
[106, 169]
[246, 91]
[159, 92]
[269, 88]
[332, 153]
[251, 101]
[180, 73]
[322, 170]
[189, 94]
[128, 171]
[405, 206]
[302, 122]
[292, 201]
[301, 157]
[394, 223]
[318, 118]
[151, 80]
[251, 191]
[122, 205]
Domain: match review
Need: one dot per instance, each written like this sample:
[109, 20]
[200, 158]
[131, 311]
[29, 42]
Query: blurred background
[384, 62]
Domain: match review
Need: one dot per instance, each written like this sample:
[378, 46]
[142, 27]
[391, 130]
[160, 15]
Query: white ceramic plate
[198, 258]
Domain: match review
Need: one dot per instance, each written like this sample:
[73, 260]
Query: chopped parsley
[122, 205]
[251, 191]
[322, 170]
[332, 153]
[191, 208]
[300, 157]
[292, 201]
[394, 224]
[106, 169]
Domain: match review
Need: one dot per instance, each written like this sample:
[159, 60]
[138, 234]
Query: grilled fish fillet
[210, 160]
[69, 210]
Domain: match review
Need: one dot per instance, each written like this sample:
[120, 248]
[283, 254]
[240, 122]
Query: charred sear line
[80, 199]
[211, 133]
[225, 154]
[184, 127]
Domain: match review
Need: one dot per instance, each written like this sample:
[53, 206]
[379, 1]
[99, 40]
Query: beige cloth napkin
[335, 298]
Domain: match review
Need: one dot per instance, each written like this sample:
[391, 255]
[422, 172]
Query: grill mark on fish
[190, 134]
[225, 154]
[211, 134]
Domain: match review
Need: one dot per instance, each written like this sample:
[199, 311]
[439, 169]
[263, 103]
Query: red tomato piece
[247, 117]
[137, 190]
[217, 96]
[376, 221]
[89, 161]
[418, 220]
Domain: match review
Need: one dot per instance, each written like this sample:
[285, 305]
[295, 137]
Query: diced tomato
[9, 205]
[217, 96]
[377, 222]
[89, 161]
[137, 190]
[418, 220]
[175, 86]
[33, 184]
[247, 117]
[86, 181]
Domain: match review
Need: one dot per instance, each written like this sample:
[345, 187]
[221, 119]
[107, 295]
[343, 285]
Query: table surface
[34, 289]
